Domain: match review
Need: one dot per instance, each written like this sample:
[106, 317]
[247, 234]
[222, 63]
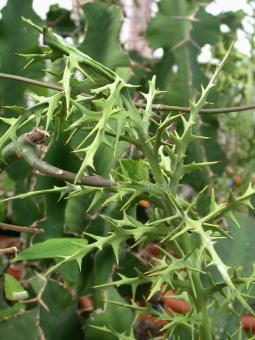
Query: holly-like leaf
[61, 321]
[116, 318]
[61, 21]
[15, 38]
[181, 28]
[102, 37]
[21, 327]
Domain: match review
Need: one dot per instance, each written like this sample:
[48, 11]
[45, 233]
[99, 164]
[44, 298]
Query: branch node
[37, 136]
[7, 251]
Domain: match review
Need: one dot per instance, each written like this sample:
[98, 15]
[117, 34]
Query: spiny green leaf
[62, 190]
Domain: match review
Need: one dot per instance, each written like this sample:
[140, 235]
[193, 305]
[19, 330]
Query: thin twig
[156, 107]
[162, 107]
[10, 250]
[38, 299]
[30, 230]
[30, 81]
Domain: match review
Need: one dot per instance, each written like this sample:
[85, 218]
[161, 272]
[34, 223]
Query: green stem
[200, 297]
[201, 305]
[144, 141]
[217, 287]
[181, 153]
[152, 159]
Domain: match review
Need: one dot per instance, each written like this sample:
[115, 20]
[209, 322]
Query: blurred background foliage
[136, 38]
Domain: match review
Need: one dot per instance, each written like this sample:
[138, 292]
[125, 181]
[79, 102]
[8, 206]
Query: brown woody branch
[30, 81]
[29, 230]
[7, 251]
[28, 144]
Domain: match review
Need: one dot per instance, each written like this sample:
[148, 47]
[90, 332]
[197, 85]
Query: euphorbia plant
[96, 111]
